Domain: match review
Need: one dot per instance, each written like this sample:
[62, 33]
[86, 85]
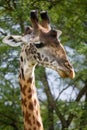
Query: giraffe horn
[35, 22]
[34, 19]
[58, 33]
[45, 20]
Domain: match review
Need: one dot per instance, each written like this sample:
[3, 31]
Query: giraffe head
[43, 46]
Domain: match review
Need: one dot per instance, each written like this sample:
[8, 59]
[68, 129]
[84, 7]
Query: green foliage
[71, 18]
[10, 114]
[82, 49]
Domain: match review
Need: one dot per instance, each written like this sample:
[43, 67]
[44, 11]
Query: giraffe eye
[39, 45]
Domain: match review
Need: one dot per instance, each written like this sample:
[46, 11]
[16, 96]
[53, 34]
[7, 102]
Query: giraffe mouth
[64, 74]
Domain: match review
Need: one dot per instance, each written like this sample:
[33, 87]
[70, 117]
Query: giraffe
[40, 46]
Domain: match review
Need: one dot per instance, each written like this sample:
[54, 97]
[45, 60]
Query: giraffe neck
[30, 103]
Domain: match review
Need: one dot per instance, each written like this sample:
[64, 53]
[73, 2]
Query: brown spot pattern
[29, 96]
[30, 106]
[33, 119]
[22, 73]
[29, 80]
[45, 59]
[38, 124]
[29, 90]
[34, 128]
[29, 122]
[21, 58]
[35, 102]
[24, 89]
[20, 86]
[24, 102]
[27, 116]
[37, 112]
[25, 128]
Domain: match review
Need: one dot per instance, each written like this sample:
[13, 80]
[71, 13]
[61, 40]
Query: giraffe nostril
[67, 65]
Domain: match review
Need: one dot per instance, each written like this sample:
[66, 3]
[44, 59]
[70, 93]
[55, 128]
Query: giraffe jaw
[62, 71]
[65, 71]
[67, 74]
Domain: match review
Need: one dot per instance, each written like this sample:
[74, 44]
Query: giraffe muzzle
[70, 74]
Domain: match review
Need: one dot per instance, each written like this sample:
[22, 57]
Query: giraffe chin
[67, 75]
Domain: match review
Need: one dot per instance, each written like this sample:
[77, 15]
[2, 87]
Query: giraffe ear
[58, 33]
[17, 40]
[55, 33]
[13, 40]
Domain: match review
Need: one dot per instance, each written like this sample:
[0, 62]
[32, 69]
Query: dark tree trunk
[83, 122]
[50, 117]
[49, 103]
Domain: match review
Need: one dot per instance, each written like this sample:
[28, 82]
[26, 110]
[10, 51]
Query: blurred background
[63, 101]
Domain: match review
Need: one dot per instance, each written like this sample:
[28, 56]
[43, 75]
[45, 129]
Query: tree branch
[53, 102]
[79, 96]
